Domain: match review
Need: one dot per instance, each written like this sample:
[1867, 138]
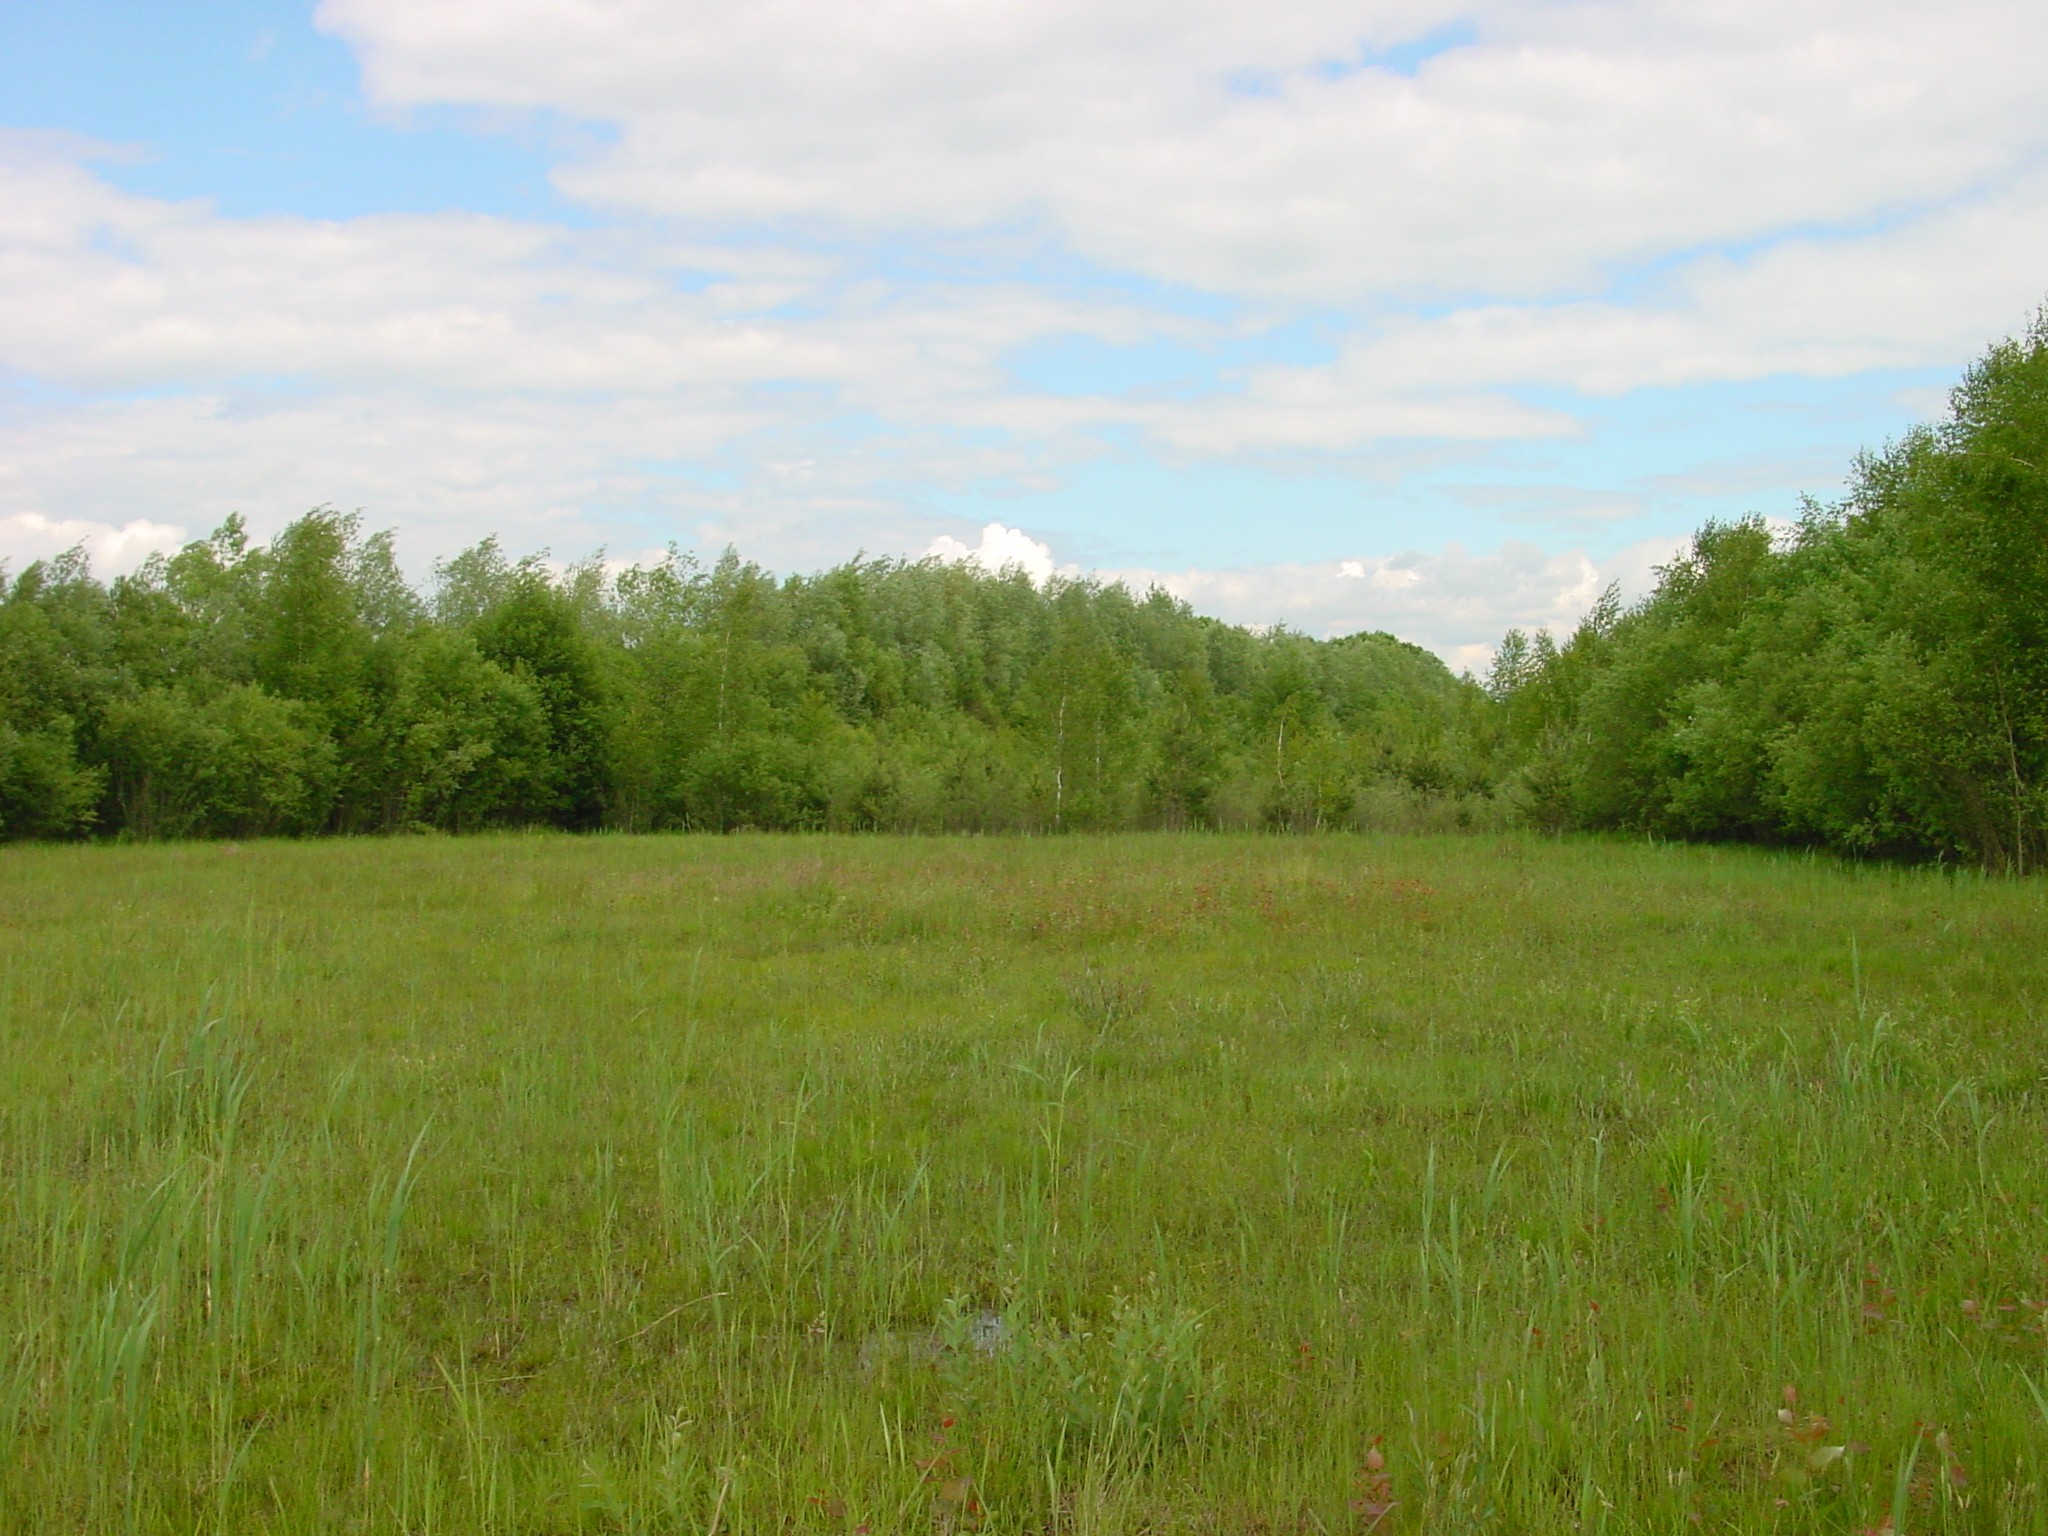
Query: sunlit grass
[1150, 1183]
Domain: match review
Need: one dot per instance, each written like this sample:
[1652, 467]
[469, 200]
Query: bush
[45, 791]
[238, 764]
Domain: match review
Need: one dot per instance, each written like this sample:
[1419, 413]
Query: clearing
[539, 1184]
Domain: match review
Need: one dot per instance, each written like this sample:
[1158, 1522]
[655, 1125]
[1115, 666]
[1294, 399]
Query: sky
[1421, 315]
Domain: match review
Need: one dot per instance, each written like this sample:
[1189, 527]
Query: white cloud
[1943, 285]
[1001, 549]
[30, 536]
[1335, 410]
[1256, 149]
[561, 474]
[1455, 602]
[103, 289]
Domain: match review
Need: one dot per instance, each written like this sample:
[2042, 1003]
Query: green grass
[1148, 1183]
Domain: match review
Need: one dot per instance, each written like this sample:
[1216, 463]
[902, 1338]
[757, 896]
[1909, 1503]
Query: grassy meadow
[1148, 1183]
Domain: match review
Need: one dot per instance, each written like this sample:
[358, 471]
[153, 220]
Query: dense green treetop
[1875, 679]
[303, 686]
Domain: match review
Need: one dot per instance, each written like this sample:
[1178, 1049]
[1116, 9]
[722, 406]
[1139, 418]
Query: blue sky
[1412, 314]
[249, 106]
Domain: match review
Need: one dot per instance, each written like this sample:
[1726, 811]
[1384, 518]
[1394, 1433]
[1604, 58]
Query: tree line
[1874, 680]
[303, 686]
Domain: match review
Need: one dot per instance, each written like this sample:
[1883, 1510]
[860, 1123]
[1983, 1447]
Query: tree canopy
[1873, 680]
[302, 686]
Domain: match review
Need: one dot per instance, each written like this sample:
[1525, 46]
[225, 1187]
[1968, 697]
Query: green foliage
[302, 686]
[53, 643]
[534, 633]
[44, 790]
[466, 742]
[1877, 681]
[241, 763]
